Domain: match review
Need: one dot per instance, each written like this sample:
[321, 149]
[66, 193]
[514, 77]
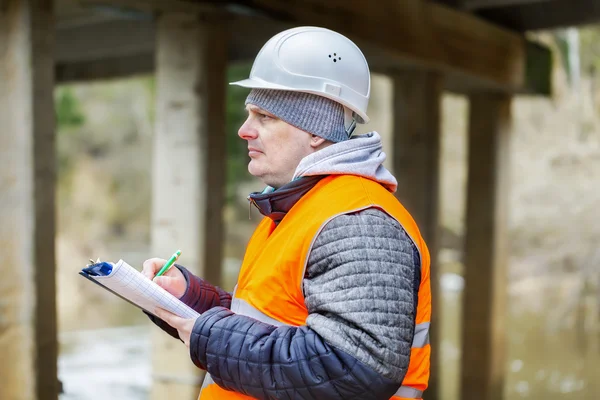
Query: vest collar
[275, 203]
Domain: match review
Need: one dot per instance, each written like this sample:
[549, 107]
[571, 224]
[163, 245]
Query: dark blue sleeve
[199, 295]
[268, 362]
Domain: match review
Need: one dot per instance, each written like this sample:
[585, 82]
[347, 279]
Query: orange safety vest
[269, 286]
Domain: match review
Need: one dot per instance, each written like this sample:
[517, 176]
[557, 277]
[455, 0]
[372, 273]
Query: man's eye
[264, 116]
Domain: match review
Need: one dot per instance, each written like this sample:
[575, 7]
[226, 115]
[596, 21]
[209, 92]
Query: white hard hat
[314, 60]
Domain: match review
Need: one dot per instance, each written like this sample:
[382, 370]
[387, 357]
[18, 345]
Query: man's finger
[151, 266]
[170, 318]
[168, 283]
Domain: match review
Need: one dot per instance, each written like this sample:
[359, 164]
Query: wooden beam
[106, 68]
[119, 48]
[84, 51]
[485, 295]
[28, 337]
[424, 33]
[473, 54]
[214, 113]
[480, 4]
[153, 6]
[416, 161]
[106, 39]
[538, 16]
[188, 178]
[118, 38]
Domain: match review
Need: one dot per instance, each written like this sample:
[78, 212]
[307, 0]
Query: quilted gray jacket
[360, 288]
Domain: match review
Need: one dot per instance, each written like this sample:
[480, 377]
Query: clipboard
[130, 285]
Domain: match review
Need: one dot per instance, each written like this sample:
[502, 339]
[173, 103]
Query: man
[333, 299]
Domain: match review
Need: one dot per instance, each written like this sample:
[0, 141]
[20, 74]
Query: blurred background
[105, 136]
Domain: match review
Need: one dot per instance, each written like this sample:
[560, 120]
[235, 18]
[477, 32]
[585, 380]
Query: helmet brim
[254, 83]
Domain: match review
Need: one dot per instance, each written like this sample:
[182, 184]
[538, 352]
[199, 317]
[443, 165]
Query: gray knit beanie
[311, 113]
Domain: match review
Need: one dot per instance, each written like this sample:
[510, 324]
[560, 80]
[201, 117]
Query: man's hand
[184, 326]
[172, 281]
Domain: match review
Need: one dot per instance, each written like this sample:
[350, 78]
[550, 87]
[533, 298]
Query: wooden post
[416, 158]
[188, 170]
[28, 341]
[483, 338]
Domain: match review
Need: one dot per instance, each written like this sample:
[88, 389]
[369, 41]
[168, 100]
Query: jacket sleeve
[199, 295]
[361, 274]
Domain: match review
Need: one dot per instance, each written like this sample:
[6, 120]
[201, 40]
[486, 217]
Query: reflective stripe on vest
[421, 338]
[407, 392]
[240, 306]
[208, 380]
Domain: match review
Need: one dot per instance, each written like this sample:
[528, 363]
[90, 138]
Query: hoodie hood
[361, 155]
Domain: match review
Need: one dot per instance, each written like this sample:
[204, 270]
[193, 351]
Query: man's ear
[316, 141]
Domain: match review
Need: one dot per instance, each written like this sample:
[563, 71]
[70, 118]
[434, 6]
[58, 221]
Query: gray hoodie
[362, 155]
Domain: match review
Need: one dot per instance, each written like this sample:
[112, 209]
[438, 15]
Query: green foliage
[237, 149]
[68, 110]
[590, 49]
[69, 117]
[539, 69]
[149, 82]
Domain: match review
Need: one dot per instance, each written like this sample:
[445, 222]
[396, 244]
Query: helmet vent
[335, 57]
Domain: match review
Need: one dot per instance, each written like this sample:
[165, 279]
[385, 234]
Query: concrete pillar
[416, 157]
[485, 297]
[28, 342]
[188, 169]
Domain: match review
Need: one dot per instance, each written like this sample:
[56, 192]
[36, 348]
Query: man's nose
[247, 131]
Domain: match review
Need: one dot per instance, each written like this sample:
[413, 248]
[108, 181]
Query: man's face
[274, 146]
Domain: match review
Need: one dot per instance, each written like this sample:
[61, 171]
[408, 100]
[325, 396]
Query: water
[550, 355]
[105, 364]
